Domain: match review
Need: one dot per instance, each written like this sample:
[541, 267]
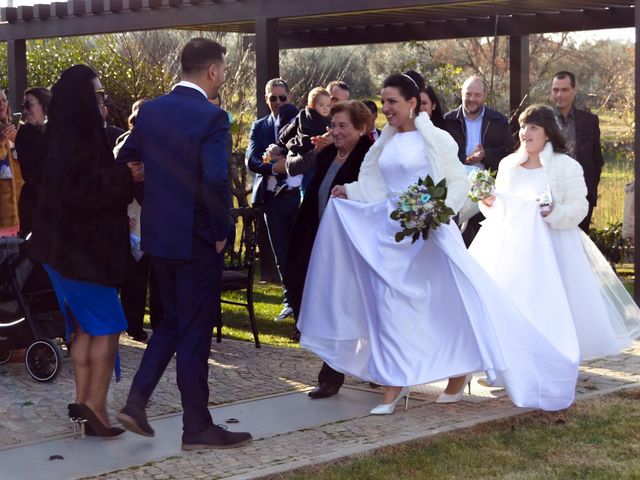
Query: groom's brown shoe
[323, 390]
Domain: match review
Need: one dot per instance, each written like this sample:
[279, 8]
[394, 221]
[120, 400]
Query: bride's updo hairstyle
[407, 87]
[543, 116]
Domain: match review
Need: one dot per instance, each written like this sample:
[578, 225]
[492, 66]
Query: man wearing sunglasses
[277, 193]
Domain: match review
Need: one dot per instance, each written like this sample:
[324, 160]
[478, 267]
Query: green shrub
[610, 242]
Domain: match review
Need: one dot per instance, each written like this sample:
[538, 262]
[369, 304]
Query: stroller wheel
[43, 360]
[5, 352]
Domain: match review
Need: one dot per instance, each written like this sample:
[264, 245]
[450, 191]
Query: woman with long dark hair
[400, 313]
[432, 106]
[81, 235]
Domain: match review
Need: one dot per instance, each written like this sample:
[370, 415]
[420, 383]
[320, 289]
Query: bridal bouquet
[421, 208]
[482, 184]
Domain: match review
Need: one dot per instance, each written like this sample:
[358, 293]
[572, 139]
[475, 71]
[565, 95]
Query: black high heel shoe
[83, 415]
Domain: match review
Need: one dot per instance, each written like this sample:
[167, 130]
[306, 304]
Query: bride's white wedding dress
[556, 277]
[404, 314]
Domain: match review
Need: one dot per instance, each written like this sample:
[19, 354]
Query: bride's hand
[489, 200]
[339, 191]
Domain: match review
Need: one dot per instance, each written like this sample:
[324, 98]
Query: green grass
[267, 304]
[617, 172]
[597, 439]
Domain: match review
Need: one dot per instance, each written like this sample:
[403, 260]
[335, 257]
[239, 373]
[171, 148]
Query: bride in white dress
[546, 265]
[403, 314]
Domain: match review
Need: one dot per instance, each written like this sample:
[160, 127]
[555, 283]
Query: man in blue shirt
[482, 135]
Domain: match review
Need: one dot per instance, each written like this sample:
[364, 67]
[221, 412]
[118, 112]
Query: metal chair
[240, 262]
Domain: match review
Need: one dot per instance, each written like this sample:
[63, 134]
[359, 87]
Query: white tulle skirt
[557, 278]
[407, 314]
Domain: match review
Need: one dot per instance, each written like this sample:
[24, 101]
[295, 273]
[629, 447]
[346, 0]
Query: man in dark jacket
[482, 135]
[582, 132]
[277, 193]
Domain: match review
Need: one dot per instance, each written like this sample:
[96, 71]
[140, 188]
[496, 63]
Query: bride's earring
[410, 113]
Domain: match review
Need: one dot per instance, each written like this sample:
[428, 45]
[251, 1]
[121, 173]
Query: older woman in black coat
[336, 158]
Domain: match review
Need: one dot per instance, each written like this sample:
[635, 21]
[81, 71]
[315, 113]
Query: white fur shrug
[565, 178]
[442, 151]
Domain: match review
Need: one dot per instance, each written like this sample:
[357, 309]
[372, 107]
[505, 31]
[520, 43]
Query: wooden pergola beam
[516, 25]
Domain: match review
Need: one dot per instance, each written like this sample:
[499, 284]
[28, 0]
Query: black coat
[496, 137]
[81, 226]
[589, 151]
[296, 136]
[31, 146]
[307, 222]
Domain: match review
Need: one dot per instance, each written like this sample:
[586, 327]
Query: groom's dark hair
[199, 53]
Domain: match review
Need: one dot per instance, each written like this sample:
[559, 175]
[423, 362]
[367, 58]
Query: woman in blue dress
[81, 235]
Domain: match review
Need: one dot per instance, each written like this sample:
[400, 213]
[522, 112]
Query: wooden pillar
[518, 76]
[636, 151]
[267, 67]
[17, 69]
[267, 58]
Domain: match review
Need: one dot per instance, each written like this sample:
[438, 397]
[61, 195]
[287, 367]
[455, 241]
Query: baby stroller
[29, 313]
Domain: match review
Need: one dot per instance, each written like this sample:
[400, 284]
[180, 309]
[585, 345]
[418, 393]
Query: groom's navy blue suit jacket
[186, 190]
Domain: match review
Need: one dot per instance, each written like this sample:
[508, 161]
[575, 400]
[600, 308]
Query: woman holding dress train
[413, 313]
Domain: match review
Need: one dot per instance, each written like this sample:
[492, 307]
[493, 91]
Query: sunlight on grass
[267, 304]
[596, 439]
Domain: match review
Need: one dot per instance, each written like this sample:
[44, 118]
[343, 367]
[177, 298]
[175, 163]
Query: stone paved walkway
[32, 412]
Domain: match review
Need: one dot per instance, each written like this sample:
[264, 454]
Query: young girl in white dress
[537, 254]
[403, 314]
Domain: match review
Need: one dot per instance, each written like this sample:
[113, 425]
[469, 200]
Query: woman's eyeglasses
[27, 105]
[282, 98]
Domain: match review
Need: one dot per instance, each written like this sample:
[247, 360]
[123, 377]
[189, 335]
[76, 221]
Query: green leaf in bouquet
[415, 236]
[439, 192]
[399, 236]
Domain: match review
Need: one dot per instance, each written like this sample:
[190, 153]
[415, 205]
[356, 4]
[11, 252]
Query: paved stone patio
[32, 412]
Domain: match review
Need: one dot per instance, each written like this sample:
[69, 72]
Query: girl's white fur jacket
[442, 152]
[565, 178]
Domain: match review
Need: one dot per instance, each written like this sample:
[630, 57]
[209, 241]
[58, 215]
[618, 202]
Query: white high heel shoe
[388, 408]
[455, 397]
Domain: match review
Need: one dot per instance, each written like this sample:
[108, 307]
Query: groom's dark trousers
[182, 141]
[190, 293]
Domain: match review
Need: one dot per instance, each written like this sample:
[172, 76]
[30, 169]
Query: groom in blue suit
[185, 224]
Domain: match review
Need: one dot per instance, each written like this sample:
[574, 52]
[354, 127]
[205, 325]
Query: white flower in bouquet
[482, 184]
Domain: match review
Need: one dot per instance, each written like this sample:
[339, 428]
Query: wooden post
[636, 152]
[267, 67]
[17, 67]
[518, 76]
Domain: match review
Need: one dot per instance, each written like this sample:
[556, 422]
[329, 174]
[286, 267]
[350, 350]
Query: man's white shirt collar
[184, 83]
